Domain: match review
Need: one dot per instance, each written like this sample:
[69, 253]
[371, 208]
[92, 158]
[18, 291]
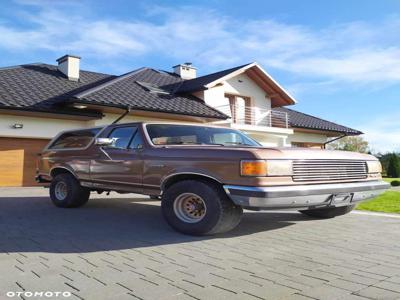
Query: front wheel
[65, 191]
[199, 208]
[326, 213]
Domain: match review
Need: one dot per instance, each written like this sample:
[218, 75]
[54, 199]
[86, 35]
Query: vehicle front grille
[324, 169]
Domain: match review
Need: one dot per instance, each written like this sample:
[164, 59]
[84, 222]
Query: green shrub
[395, 183]
[393, 169]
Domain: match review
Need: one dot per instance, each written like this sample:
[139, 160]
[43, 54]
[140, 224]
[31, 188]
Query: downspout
[127, 111]
[335, 139]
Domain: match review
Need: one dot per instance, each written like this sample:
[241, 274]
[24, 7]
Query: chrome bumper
[305, 196]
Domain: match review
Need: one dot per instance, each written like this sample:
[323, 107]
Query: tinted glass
[137, 141]
[122, 136]
[75, 139]
[162, 134]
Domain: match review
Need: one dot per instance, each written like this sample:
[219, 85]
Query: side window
[75, 139]
[122, 136]
[137, 141]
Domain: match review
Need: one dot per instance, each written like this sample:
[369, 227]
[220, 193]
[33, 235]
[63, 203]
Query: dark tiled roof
[128, 90]
[301, 120]
[40, 86]
[197, 84]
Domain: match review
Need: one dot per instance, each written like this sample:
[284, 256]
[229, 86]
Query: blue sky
[340, 59]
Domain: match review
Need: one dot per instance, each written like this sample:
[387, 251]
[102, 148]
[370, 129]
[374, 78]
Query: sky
[339, 59]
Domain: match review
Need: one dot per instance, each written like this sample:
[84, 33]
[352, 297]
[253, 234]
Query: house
[37, 101]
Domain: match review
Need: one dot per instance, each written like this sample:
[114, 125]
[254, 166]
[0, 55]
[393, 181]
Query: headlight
[374, 166]
[266, 167]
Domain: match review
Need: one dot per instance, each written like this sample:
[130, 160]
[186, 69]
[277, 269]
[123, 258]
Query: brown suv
[205, 175]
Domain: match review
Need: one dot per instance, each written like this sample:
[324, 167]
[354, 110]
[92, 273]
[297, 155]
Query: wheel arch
[176, 177]
[61, 170]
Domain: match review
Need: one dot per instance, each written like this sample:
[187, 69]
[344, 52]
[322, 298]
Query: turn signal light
[253, 168]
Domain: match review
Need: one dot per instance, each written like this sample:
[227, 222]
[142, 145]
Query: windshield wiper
[196, 143]
[240, 144]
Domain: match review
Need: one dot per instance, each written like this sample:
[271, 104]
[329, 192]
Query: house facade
[37, 101]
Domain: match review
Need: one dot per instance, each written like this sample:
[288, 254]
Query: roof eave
[120, 106]
[347, 133]
[279, 95]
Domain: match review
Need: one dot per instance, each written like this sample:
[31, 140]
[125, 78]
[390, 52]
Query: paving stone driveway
[120, 248]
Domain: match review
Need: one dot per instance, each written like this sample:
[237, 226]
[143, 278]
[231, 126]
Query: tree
[393, 169]
[350, 143]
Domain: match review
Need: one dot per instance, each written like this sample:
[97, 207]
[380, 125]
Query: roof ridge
[48, 65]
[19, 66]
[222, 71]
[108, 83]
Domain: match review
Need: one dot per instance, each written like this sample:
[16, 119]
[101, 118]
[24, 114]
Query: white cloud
[354, 52]
[383, 132]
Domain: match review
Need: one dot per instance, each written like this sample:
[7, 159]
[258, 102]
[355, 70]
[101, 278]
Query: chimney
[186, 70]
[69, 66]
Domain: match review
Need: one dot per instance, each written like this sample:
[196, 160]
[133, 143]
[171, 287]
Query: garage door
[18, 161]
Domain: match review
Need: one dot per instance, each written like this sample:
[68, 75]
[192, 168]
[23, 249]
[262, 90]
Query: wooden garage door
[18, 161]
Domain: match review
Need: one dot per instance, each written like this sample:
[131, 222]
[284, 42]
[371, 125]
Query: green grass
[387, 202]
[387, 179]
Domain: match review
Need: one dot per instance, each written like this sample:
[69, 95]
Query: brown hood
[275, 153]
[308, 153]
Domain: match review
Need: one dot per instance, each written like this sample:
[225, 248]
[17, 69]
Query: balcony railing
[255, 116]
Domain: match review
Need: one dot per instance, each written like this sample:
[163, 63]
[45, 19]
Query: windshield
[166, 134]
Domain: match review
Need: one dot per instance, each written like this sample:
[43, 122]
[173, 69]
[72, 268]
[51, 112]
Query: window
[240, 109]
[75, 139]
[165, 134]
[137, 141]
[122, 136]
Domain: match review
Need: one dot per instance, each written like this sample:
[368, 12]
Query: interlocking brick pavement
[119, 247]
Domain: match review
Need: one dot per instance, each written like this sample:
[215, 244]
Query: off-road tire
[327, 213]
[221, 215]
[76, 195]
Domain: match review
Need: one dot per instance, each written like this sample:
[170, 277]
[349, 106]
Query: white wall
[269, 140]
[239, 85]
[45, 128]
[302, 137]
[109, 118]
[242, 85]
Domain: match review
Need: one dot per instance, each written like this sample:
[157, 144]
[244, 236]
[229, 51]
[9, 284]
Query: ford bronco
[204, 175]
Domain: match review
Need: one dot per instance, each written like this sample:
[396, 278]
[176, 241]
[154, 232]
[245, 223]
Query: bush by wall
[393, 169]
[395, 183]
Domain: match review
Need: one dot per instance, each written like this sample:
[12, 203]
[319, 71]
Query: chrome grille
[324, 169]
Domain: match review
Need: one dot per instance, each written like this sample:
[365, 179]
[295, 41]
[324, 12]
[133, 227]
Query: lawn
[387, 179]
[387, 202]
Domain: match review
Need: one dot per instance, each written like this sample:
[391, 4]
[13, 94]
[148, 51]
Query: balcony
[255, 116]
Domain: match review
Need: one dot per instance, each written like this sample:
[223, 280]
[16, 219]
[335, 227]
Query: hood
[277, 153]
[308, 153]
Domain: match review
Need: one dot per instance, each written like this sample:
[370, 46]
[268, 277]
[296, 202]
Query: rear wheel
[65, 191]
[199, 208]
[326, 213]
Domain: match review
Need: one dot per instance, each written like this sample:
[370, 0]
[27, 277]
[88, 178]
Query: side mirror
[104, 142]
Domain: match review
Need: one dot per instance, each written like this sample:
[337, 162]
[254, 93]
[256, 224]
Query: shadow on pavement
[33, 224]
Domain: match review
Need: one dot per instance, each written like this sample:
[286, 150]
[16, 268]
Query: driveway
[119, 247]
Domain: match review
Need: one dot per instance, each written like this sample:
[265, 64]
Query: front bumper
[305, 196]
